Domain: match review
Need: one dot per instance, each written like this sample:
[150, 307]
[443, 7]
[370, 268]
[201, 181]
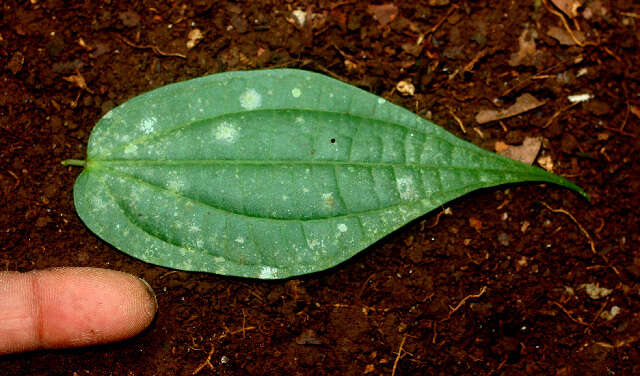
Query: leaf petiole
[74, 162]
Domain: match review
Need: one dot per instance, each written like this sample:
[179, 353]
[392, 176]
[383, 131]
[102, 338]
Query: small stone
[300, 16]
[405, 88]
[504, 239]
[610, 314]
[194, 37]
[595, 292]
[42, 221]
[569, 143]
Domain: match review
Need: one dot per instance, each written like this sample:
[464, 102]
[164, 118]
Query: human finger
[70, 307]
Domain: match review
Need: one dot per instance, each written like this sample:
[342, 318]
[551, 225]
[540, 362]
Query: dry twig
[395, 363]
[577, 321]
[564, 22]
[155, 49]
[629, 14]
[435, 332]
[436, 26]
[586, 234]
[435, 223]
[464, 300]
[558, 113]
[206, 363]
[626, 342]
[457, 119]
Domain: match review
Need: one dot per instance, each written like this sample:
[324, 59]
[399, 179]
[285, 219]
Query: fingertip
[84, 306]
[67, 307]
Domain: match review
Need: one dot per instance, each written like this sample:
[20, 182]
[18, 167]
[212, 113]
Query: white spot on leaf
[98, 204]
[267, 272]
[226, 132]
[130, 149]
[175, 184]
[240, 240]
[313, 244]
[342, 228]
[407, 189]
[250, 99]
[328, 199]
[296, 92]
[147, 124]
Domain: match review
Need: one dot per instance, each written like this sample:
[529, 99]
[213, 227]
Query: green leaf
[270, 174]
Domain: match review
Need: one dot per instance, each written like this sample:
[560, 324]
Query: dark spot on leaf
[333, 140]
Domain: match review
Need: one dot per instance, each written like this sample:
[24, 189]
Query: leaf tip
[574, 187]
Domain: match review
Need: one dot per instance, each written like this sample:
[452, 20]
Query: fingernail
[151, 293]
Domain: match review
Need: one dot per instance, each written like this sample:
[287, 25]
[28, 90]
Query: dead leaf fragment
[308, 337]
[129, 18]
[383, 13]
[569, 7]
[78, 80]
[406, 88]
[501, 146]
[16, 62]
[99, 50]
[526, 49]
[525, 153]
[564, 38]
[194, 37]
[475, 223]
[525, 102]
[438, 3]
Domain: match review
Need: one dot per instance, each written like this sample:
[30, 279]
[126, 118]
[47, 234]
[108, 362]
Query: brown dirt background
[533, 317]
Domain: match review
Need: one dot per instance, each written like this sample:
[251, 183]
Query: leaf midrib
[277, 162]
[464, 189]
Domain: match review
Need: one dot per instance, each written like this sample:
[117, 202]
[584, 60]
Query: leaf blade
[291, 172]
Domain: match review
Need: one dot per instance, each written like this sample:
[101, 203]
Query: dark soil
[495, 286]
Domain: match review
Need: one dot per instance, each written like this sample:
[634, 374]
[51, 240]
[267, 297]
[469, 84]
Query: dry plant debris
[525, 102]
[525, 153]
